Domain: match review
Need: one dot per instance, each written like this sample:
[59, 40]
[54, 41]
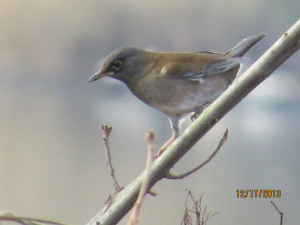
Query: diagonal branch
[181, 176]
[286, 46]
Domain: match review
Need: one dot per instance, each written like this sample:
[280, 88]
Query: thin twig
[201, 217]
[6, 216]
[204, 212]
[197, 206]
[281, 214]
[109, 201]
[105, 135]
[181, 176]
[210, 216]
[145, 185]
[186, 220]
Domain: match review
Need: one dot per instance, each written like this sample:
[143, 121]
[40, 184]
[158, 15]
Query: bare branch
[210, 216]
[281, 214]
[145, 185]
[181, 176]
[105, 135]
[286, 46]
[201, 217]
[186, 220]
[7, 216]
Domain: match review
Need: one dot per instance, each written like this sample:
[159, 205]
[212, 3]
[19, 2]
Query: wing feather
[211, 69]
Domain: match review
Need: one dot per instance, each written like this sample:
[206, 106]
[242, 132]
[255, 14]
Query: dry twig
[201, 217]
[7, 216]
[281, 214]
[105, 135]
[181, 176]
[145, 185]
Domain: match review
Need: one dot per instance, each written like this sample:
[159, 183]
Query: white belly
[174, 96]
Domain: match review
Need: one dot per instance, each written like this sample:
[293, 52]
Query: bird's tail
[245, 45]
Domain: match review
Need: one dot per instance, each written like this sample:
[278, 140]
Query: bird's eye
[116, 64]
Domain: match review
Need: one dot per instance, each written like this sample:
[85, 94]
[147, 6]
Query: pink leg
[166, 145]
[174, 122]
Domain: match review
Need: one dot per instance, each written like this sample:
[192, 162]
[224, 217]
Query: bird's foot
[198, 112]
[195, 116]
[165, 146]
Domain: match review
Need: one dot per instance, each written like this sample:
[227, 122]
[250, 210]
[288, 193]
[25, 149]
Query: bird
[177, 83]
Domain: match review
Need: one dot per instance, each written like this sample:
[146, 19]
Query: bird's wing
[222, 66]
[176, 72]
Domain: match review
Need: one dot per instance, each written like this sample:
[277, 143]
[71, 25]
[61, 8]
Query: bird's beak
[98, 75]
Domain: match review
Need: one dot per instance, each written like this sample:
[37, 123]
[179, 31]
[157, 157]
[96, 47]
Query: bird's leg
[174, 122]
[195, 115]
[166, 145]
[199, 111]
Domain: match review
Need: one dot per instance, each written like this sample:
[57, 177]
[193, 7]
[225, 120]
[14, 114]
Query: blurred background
[52, 161]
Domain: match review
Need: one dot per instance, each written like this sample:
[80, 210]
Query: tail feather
[245, 45]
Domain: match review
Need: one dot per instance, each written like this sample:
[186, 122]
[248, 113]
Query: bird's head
[124, 64]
